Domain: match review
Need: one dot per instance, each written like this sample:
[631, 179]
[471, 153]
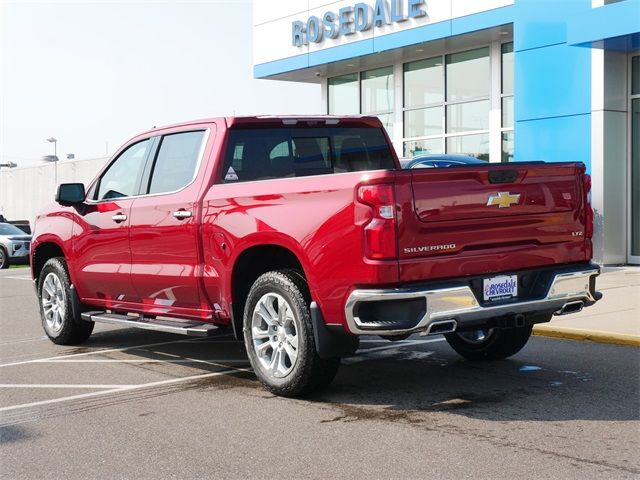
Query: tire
[497, 344]
[4, 259]
[271, 336]
[55, 299]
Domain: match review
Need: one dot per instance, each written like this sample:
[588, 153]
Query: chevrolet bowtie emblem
[503, 199]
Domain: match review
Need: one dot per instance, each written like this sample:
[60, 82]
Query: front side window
[176, 162]
[267, 153]
[123, 176]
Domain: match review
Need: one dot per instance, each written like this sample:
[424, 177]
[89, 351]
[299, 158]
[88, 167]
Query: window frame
[147, 176]
[444, 104]
[95, 186]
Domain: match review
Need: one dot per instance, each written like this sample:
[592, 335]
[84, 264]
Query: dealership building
[504, 81]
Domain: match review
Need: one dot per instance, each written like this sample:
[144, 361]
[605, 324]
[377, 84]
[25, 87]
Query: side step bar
[183, 327]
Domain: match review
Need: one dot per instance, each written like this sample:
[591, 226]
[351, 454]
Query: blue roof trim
[482, 20]
[433, 31]
[298, 62]
[615, 26]
[341, 52]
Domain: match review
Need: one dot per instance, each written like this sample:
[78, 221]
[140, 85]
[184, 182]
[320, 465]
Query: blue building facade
[502, 80]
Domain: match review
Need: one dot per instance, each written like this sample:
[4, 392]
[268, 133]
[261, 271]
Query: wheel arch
[249, 265]
[42, 252]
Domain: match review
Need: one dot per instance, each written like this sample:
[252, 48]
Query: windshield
[8, 229]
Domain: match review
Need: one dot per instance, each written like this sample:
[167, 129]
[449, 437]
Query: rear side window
[123, 176]
[261, 154]
[176, 162]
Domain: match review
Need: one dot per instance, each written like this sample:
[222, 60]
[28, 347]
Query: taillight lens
[380, 231]
[587, 206]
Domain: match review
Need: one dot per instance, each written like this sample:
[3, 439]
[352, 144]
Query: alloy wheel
[53, 302]
[274, 331]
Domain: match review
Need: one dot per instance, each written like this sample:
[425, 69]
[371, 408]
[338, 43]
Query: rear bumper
[422, 308]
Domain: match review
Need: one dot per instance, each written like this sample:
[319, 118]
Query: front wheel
[278, 335]
[489, 344]
[4, 259]
[56, 305]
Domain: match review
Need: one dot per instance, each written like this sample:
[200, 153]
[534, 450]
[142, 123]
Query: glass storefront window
[473, 145]
[417, 147]
[465, 117]
[343, 95]
[377, 90]
[507, 146]
[423, 82]
[387, 122]
[507, 68]
[423, 122]
[468, 75]
[507, 112]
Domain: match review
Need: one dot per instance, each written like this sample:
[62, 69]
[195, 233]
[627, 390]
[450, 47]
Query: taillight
[380, 230]
[587, 206]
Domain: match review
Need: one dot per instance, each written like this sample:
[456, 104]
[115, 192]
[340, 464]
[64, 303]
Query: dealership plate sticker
[499, 288]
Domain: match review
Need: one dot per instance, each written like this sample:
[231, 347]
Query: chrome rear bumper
[460, 304]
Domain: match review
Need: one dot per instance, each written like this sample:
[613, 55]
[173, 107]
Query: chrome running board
[182, 327]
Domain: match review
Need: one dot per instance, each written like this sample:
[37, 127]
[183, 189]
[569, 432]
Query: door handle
[182, 214]
[119, 217]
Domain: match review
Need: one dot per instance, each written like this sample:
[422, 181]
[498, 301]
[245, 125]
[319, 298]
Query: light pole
[54, 159]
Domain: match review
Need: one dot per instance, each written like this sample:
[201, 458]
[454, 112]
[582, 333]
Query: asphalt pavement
[138, 404]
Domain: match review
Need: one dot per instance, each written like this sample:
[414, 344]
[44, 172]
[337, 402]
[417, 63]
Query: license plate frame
[500, 287]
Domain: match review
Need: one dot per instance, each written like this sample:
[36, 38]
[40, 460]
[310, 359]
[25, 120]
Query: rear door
[101, 244]
[479, 219]
[165, 240]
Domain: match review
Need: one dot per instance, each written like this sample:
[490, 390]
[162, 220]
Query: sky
[95, 73]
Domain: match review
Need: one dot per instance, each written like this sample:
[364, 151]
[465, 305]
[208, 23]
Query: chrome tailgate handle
[119, 217]
[182, 214]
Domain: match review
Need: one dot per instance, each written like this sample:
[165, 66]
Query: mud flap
[330, 344]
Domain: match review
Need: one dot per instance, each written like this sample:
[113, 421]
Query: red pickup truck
[302, 234]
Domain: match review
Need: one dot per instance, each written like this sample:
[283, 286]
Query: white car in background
[14, 245]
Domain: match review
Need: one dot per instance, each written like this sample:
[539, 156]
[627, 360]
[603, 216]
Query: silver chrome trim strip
[460, 302]
[203, 146]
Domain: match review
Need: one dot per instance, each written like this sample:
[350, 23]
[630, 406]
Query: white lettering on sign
[352, 19]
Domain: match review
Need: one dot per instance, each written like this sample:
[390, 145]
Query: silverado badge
[503, 199]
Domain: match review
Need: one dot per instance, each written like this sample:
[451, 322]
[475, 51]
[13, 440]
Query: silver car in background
[14, 245]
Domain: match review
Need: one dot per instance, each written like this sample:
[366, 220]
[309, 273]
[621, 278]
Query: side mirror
[70, 194]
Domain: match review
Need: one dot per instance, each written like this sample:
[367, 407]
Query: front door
[101, 243]
[165, 229]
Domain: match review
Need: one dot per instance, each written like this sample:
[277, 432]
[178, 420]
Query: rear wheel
[489, 344]
[278, 335]
[56, 305]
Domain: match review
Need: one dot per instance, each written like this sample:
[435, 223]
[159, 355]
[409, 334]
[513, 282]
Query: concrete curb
[586, 335]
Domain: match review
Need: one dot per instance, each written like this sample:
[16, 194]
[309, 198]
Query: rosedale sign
[352, 19]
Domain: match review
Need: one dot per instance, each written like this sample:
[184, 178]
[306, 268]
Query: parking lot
[139, 404]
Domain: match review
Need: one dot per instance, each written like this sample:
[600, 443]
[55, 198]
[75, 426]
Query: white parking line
[97, 352]
[146, 360]
[61, 385]
[24, 340]
[125, 389]
[16, 278]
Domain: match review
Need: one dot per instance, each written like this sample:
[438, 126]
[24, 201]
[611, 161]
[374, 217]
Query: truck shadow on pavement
[550, 380]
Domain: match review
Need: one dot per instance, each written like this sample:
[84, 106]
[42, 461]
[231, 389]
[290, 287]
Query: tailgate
[478, 219]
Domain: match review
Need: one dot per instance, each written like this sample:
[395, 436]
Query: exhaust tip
[445, 326]
[570, 307]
